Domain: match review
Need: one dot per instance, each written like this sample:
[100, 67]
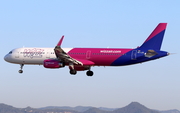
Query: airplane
[80, 59]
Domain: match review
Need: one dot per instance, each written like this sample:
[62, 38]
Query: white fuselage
[34, 56]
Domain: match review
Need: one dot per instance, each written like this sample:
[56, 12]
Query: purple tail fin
[155, 39]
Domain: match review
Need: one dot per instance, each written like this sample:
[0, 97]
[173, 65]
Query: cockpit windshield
[10, 52]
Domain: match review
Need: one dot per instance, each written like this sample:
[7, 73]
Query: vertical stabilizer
[155, 39]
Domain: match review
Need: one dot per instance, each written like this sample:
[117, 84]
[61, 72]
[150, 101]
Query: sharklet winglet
[60, 41]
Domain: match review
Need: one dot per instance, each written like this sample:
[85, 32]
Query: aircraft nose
[6, 58]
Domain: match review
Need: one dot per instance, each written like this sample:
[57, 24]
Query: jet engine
[51, 63]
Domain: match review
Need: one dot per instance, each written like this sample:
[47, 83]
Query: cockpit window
[10, 52]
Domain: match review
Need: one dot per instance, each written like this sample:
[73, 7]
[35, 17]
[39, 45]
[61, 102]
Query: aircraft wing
[63, 56]
[86, 62]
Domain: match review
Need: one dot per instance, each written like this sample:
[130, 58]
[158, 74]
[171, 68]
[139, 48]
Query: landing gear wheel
[21, 66]
[63, 64]
[20, 71]
[72, 72]
[89, 73]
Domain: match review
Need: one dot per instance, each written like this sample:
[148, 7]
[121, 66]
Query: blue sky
[102, 23]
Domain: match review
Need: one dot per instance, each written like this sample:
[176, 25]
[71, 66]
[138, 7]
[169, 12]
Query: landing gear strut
[21, 66]
[72, 70]
[89, 73]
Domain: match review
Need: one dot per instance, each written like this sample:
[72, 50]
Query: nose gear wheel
[21, 67]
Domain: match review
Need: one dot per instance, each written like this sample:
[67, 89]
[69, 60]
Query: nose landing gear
[21, 66]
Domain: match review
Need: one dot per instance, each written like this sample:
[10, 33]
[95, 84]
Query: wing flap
[86, 62]
[63, 56]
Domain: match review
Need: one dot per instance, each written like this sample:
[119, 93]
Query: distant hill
[9, 109]
[133, 107]
[171, 111]
[96, 110]
[77, 108]
[107, 109]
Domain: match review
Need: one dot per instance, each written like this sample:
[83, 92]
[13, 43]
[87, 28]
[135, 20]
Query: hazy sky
[93, 23]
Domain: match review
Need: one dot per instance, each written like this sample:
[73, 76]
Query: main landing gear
[21, 66]
[74, 72]
[89, 73]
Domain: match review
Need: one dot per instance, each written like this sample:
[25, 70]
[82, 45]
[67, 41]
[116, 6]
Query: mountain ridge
[133, 107]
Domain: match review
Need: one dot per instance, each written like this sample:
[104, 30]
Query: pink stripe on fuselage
[157, 30]
[100, 56]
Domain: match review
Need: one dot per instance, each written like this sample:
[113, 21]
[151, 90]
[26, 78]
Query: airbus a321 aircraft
[80, 59]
